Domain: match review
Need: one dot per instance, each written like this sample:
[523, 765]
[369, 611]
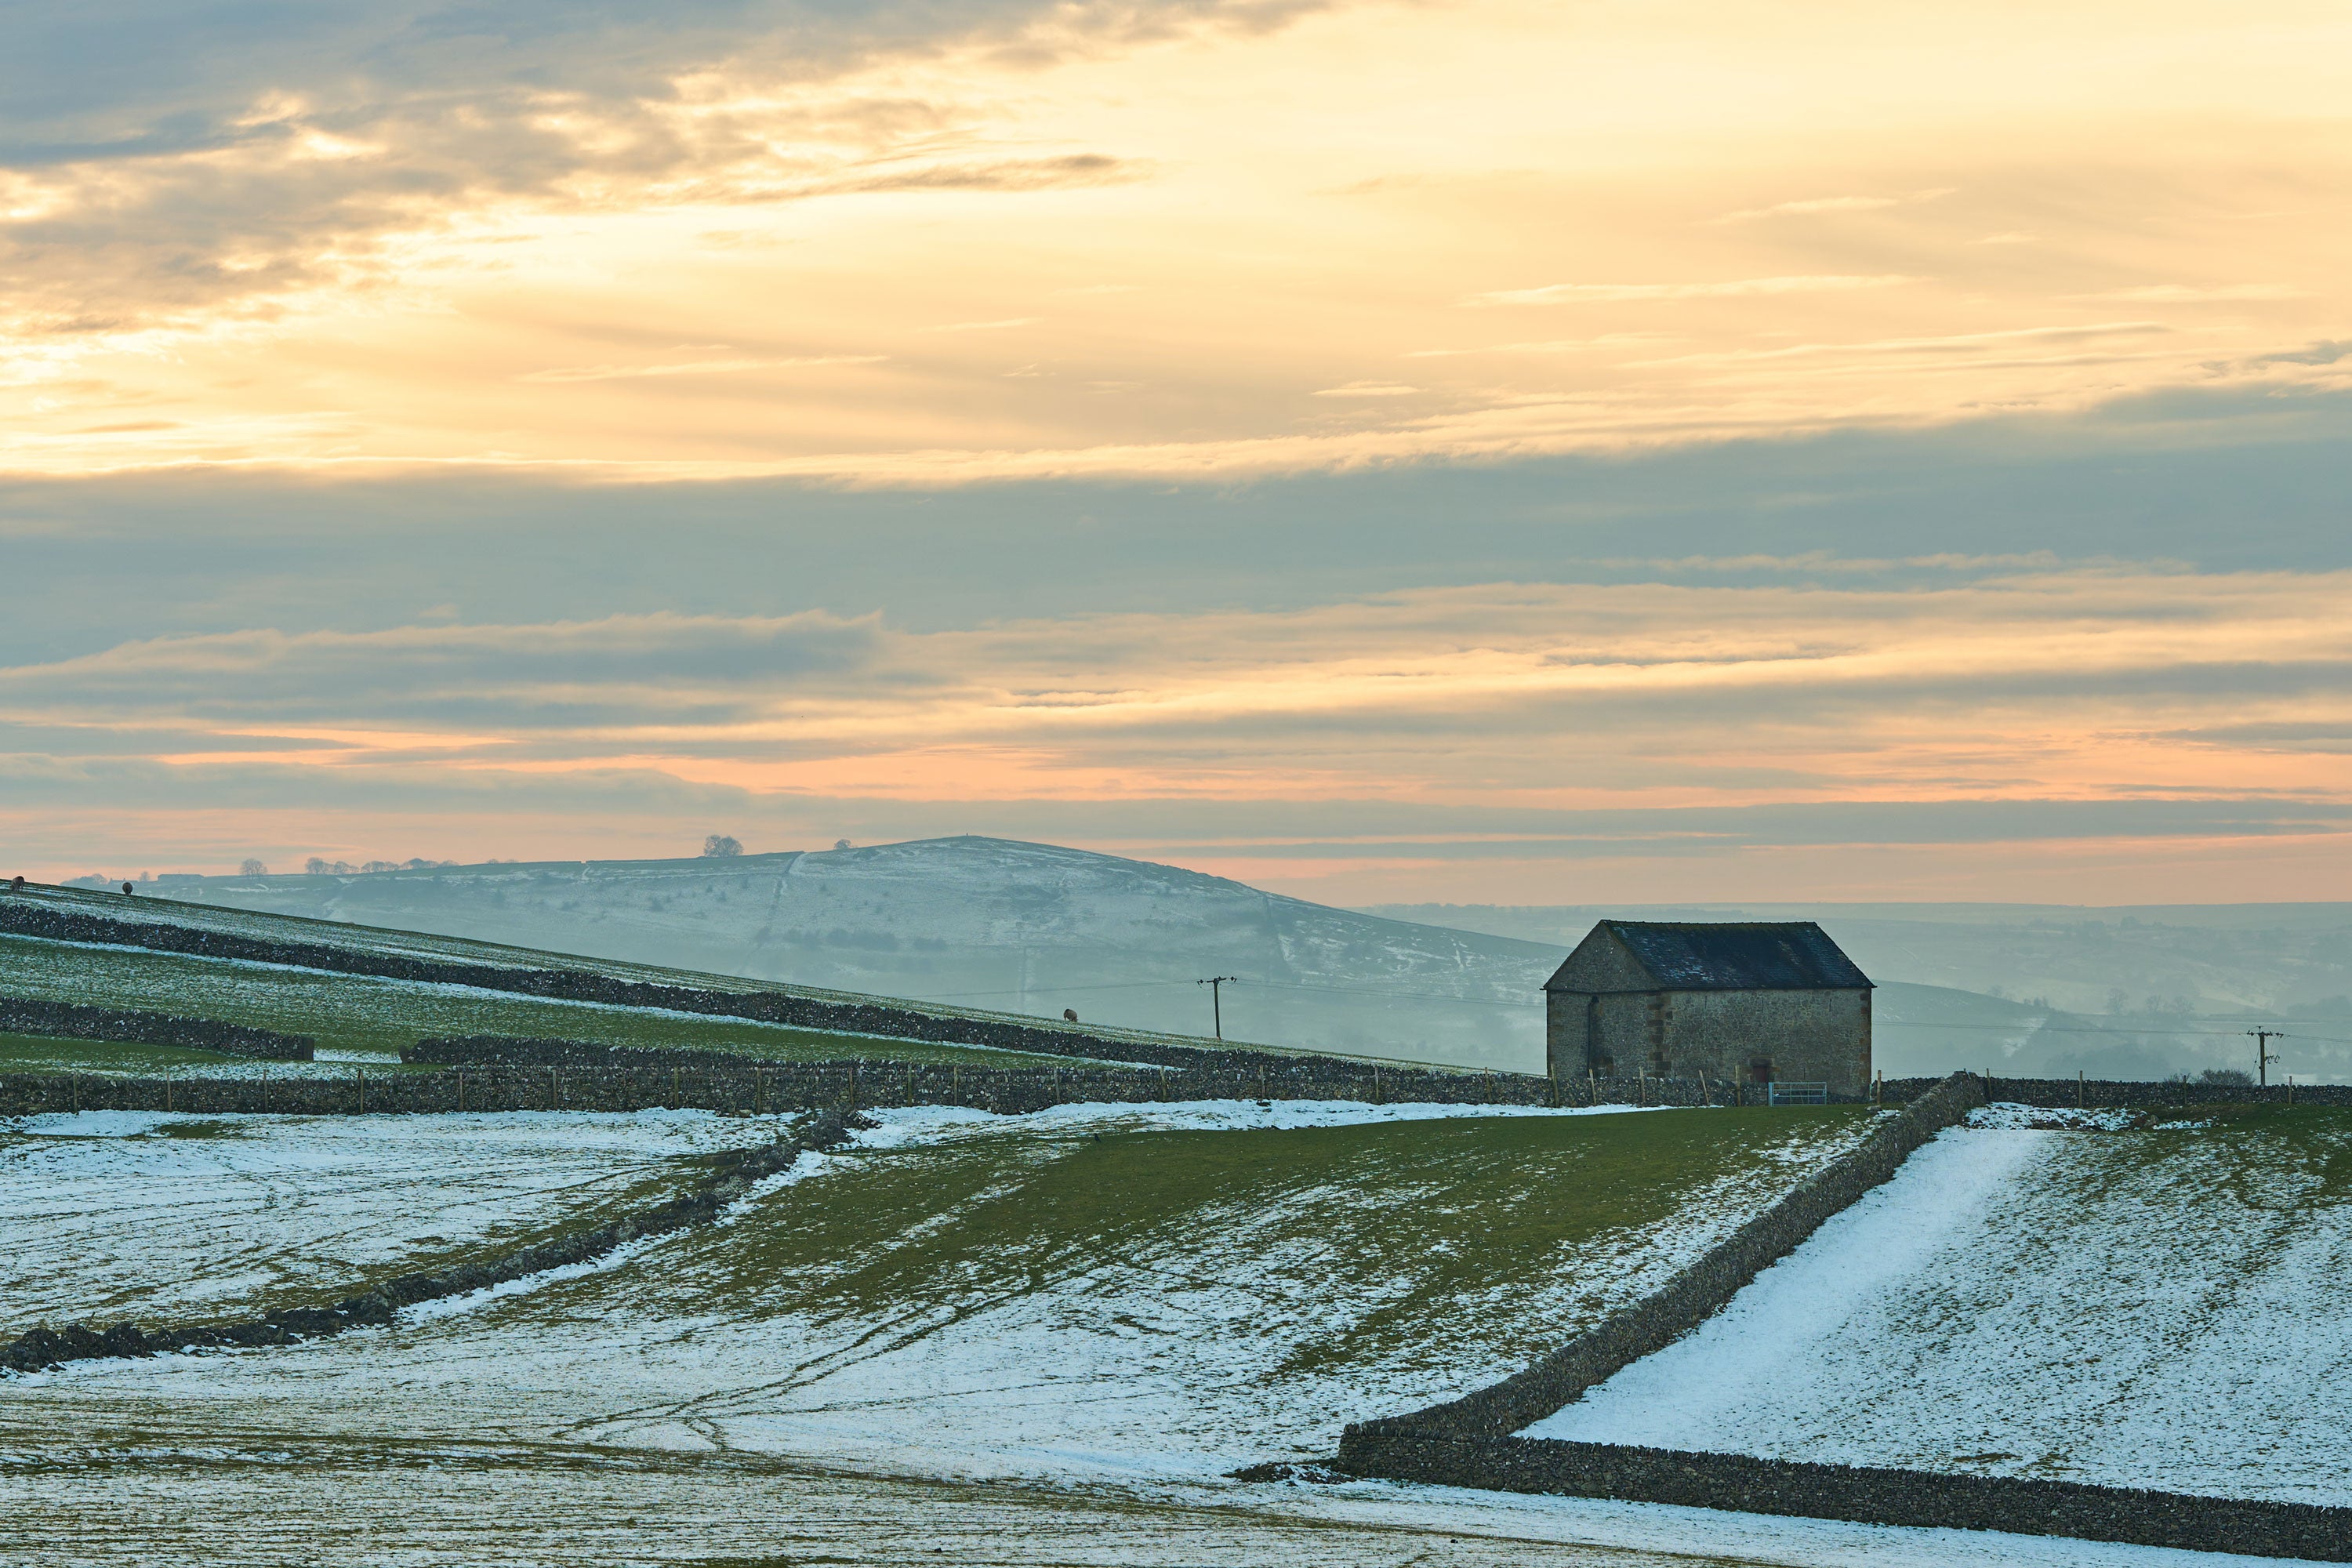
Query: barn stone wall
[1809, 1037]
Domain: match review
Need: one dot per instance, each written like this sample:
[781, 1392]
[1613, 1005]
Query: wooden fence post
[461, 1092]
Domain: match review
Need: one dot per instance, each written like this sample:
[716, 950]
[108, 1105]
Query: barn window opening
[1760, 1070]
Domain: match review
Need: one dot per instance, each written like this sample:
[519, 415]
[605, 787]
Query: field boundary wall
[71, 1021]
[1470, 1442]
[2059, 1093]
[737, 1171]
[585, 1076]
[500, 1073]
[1864, 1494]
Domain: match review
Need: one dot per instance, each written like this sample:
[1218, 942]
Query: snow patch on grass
[148, 1214]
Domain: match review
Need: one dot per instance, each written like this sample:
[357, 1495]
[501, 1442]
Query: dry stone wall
[1870, 1495]
[589, 1077]
[67, 1020]
[2059, 1092]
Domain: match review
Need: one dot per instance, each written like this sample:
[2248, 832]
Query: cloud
[1739, 288]
[158, 160]
[1006, 324]
[2329, 353]
[693, 367]
[1369, 389]
[1814, 206]
[1077, 169]
[1949, 344]
[1549, 346]
[2189, 294]
[621, 669]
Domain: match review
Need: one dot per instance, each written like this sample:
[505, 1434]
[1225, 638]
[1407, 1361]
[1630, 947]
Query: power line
[1216, 984]
[2263, 1057]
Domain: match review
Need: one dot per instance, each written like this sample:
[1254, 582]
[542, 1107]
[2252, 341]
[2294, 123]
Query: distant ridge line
[847, 1014]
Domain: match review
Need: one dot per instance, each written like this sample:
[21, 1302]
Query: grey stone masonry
[70, 1021]
[1869, 1495]
[2057, 1093]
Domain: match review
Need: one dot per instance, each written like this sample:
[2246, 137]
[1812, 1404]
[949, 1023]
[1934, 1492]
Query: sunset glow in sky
[1483, 451]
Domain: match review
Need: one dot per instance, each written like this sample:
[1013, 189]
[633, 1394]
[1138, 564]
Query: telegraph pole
[1216, 984]
[2263, 1054]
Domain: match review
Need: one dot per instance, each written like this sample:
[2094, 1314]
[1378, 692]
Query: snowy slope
[990, 922]
[2147, 1308]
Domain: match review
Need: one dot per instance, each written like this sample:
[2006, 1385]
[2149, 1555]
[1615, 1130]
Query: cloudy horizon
[1475, 452]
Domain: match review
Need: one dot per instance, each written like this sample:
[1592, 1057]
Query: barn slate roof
[1782, 956]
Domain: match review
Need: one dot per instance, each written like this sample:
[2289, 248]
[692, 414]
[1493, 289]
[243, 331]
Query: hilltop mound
[987, 922]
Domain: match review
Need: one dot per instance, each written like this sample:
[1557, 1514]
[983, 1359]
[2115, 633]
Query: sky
[1470, 452]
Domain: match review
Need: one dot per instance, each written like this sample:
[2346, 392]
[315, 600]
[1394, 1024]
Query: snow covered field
[114, 1214]
[1098, 1291]
[972, 1340]
[2162, 1308]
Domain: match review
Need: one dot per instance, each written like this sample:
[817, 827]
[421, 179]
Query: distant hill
[992, 922]
[2026, 990]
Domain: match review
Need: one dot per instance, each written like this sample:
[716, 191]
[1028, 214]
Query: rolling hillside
[984, 922]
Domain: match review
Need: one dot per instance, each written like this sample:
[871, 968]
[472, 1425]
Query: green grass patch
[1427, 1220]
[359, 1013]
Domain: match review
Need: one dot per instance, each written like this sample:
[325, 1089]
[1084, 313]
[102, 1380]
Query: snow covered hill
[1012, 926]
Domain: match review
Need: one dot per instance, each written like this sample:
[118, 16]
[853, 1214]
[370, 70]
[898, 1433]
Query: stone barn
[1739, 1002]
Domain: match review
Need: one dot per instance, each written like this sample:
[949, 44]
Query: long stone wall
[2060, 1092]
[734, 1173]
[1469, 1442]
[67, 1020]
[495, 1073]
[1869, 1495]
[589, 1077]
